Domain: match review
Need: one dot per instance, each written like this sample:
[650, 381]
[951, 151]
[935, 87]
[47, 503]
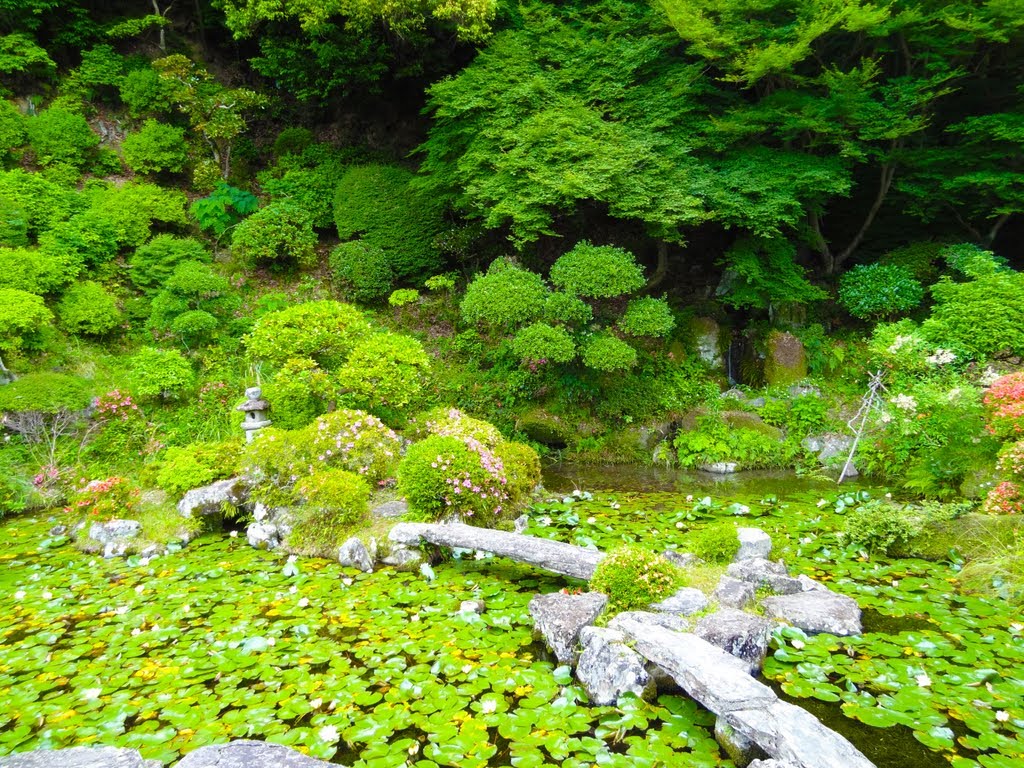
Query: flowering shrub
[122, 426]
[1007, 498]
[452, 422]
[444, 477]
[356, 441]
[274, 461]
[107, 499]
[1005, 403]
[1011, 459]
[633, 578]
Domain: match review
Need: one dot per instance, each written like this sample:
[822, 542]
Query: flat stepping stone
[558, 619]
[817, 611]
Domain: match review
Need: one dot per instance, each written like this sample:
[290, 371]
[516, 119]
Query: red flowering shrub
[1005, 403]
[1007, 498]
[1011, 459]
[107, 499]
[122, 426]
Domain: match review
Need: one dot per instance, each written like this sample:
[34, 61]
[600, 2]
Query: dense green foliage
[633, 578]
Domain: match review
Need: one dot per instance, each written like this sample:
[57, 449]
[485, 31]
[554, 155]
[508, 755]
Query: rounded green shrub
[568, 309]
[878, 526]
[608, 353]
[504, 298]
[299, 392]
[152, 264]
[144, 92]
[86, 240]
[633, 578]
[154, 148]
[274, 461]
[46, 392]
[716, 543]
[877, 291]
[333, 503]
[443, 478]
[60, 137]
[33, 270]
[323, 331]
[24, 320]
[647, 317]
[597, 271]
[12, 127]
[540, 342]
[194, 303]
[521, 465]
[403, 297]
[282, 232]
[378, 204]
[361, 271]
[88, 309]
[385, 369]
[191, 466]
[454, 423]
[309, 180]
[984, 316]
[291, 141]
[162, 374]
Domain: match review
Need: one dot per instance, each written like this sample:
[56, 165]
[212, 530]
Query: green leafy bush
[541, 342]
[133, 209]
[308, 179]
[597, 271]
[197, 464]
[355, 441]
[46, 392]
[87, 308]
[12, 128]
[60, 137]
[983, 316]
[36, 202]
[878, 526]
[565, 308]
[291, 141]
[717, 543]
[604, 352]
[323, 331]
[152, 264]
[379, 204]
[299, 392]
[762, 272]
[194, 303]
[144, 92]
[403, 297]
[223, 208]
[280, 233]
[633, 578]
[876, 291]
[334, 502]
[521, 465]
[154, 148]
[503, 298]
[24, 319]
[85, 241]
[34, 270]
[714, 441]
[385, 369]
[361, 271]
[647, 317]
[160, 373]
[274, 460]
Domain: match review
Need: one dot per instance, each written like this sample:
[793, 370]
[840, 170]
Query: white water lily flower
[923, 680]
[489, 707]
[140, 589]
[315, 703]
[1002, 715]
[328, 733]
[347, 582]
[19, 595]
[233, 534]
[90, 694]
[822, 503]
[591, 520]
[798, 643]
[303, 602]
[47, 595]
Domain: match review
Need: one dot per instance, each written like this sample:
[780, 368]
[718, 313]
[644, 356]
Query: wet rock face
[78, 757]
[354, 554]
[816, 611]
[607, 668]
[684, 602]
[785, 359]
[558, 619]
[753, 543]
[249, 754]
[740, 634]
[210, 499]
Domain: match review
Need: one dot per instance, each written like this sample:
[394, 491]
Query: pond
[222, 641]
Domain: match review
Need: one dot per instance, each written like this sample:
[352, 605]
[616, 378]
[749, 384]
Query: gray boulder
[390, 509]
[741, 634]
[404, 558]
[353, 554]
[828, 445]
[771, 762]
[263, 536]
[520, 524]
[682, 559]
[753, 543]
[734, 593]
[114, 530]
[684, 602]
[472, 606]
[607, 668]
[78, 757]
[816, 611]
[765, 573]
[249, 754]
[210, 499]
[720, 468]
[558, 619]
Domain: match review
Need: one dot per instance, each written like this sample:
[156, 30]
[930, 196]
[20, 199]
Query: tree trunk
[661, 270]
[993, 232]
[163, 34]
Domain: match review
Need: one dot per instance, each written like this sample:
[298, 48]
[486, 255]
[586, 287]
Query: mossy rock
[785, 359]
[979, 482]
[546, 428]
[973, 535]
[751, 421]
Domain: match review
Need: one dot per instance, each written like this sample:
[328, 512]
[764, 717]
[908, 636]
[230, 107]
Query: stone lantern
[255, 408]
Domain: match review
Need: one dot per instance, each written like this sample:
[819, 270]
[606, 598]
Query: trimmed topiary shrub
[308, 179]
[85, 241]
[333, 503]
[878, 526]
[522, 470]
[281, 232]
[633, 578]
[717, 543]
[356, 441]
[566, 308]
[45, 392]
[162, 374]
[24, 320]
[647, 317]
[503, 298]
[597, 271]
[454, 423]
[194, 303]
[274, 461]
[378, 204]
[60, 137]
[152, 264]
[299, 391]
[879, 291]
[543, 343]
[291, 141]
[608, 353]
[197, 464]
[984, 316]
[144, 92]
[154, 148]
[385, 369]
[88, 309]
[323, 331]
[361, 271]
